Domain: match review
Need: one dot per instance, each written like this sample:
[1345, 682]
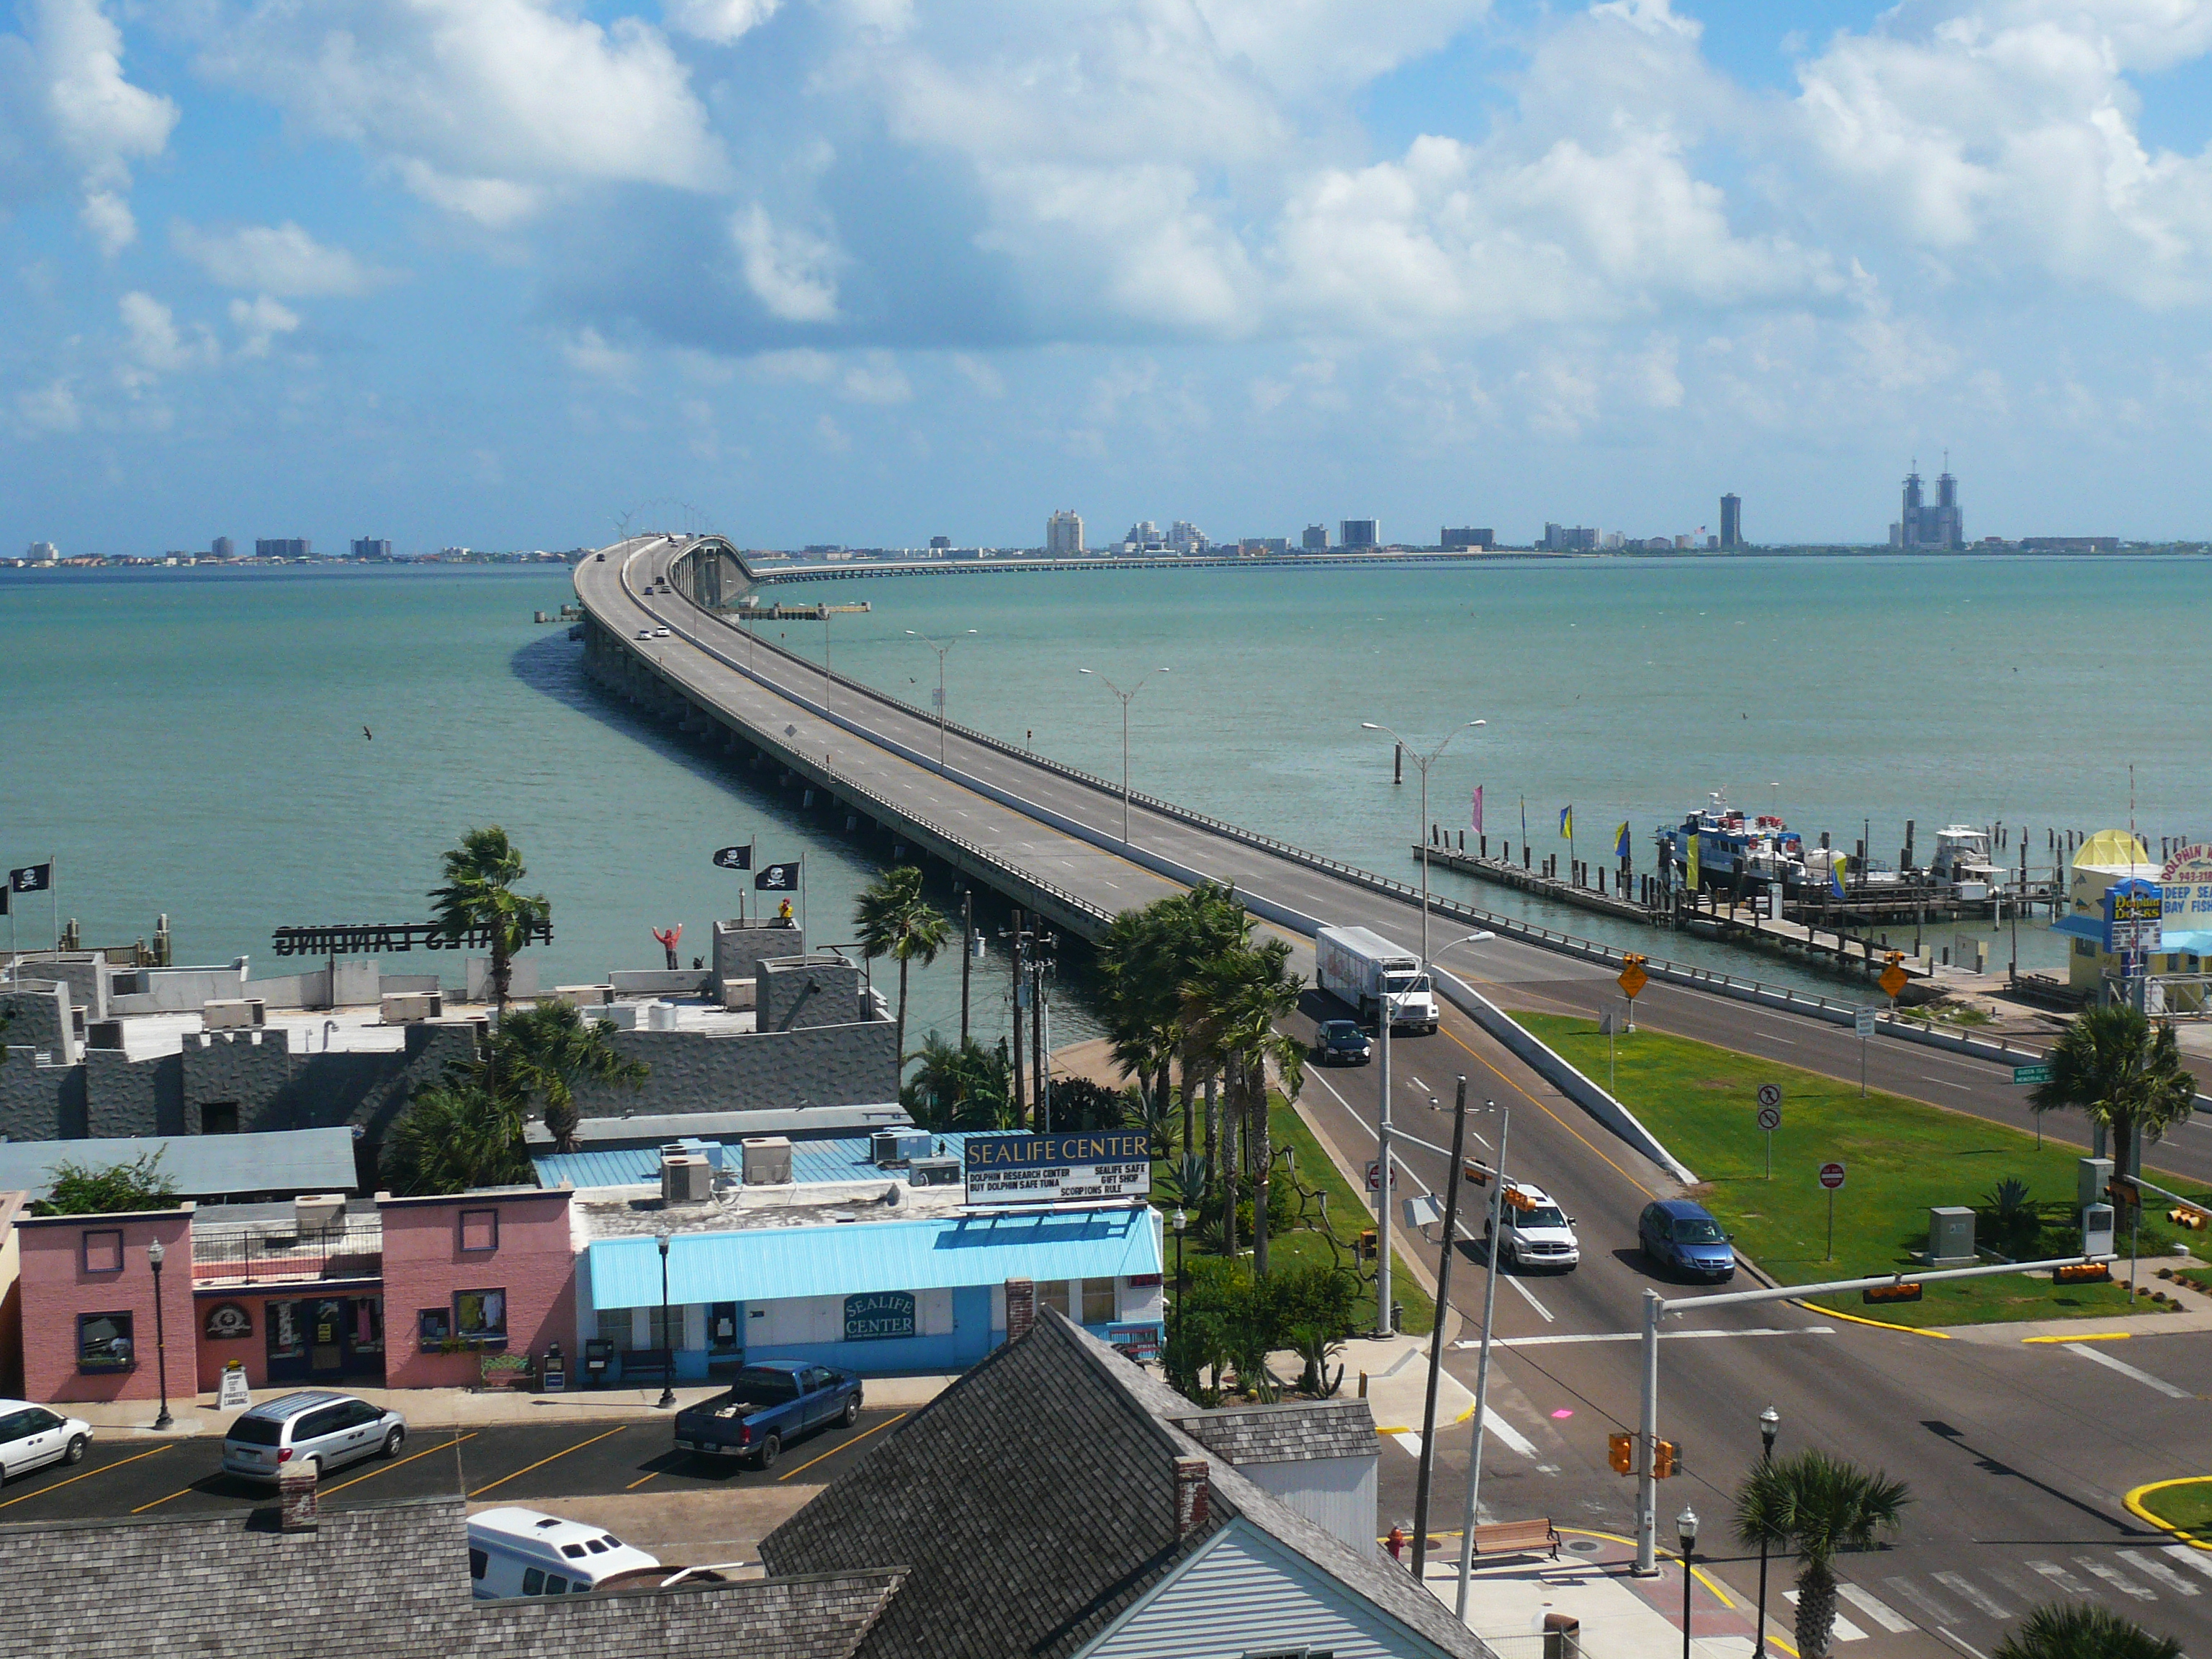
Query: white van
[1537, 1233]
[513, 1551]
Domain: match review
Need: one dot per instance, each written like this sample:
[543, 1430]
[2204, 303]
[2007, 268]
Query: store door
[326, 1340]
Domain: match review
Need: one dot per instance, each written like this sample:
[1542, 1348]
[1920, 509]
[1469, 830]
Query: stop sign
[1831, 1175]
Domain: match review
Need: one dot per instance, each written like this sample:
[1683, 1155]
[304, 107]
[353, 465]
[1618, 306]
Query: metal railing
[266, 1253]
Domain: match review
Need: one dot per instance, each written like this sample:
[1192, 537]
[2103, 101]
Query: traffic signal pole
[1647, 1484]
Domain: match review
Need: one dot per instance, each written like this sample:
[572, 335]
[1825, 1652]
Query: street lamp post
[1482, 1363]
[1686, 1527]
[1181, 1221]
[154, 1255]
[940, 650]
[1770, 1424]
[1126, 697]
[668, 1376]
[1424, 762]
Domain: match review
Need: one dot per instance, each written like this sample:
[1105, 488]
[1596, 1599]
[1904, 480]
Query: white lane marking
[1971, 1652]
[1964, 1588]
[1845, 1630]
[2126, 1369]
[2058, 1575]
[1410, 1440]
[2160, 1571]
[1967, 1088]
[2118, 1580]
[1492, 1424]
[1638, 1336]
[1936, 1608]
[1529, 1297]
[1417, 1082]
[2189, 1558]
[1874, 1606]
[1774, 1036]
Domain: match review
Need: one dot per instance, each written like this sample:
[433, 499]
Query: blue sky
[492, 272]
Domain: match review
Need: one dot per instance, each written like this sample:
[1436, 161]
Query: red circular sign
[1831, 1175]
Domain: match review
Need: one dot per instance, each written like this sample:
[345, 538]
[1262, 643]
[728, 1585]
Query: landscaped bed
[1900, 1157]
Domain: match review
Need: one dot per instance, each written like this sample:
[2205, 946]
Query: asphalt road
[500, 1463]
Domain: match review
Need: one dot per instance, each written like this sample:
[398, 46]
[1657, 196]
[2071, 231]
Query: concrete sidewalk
[440, 1408]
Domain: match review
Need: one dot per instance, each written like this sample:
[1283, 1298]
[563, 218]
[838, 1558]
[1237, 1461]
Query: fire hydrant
[1397, 1544]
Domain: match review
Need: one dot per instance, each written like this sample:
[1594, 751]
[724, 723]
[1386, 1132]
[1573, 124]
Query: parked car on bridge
[769, 1405]
[1681, 1233]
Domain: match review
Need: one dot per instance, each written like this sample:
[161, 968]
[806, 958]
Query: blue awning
[769, 1264]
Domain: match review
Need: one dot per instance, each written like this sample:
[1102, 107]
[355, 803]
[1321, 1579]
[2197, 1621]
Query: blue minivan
[1681, 1234]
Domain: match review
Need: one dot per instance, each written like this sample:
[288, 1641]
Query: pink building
[472, 1273]
[88, 1289]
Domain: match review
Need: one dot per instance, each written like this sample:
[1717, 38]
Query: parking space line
[158, 1502]
[841, 1446]
[542, 1461]
[381, 1468]
[87, 1475]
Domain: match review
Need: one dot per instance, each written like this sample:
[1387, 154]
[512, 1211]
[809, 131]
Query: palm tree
[1231, 1010]
[478, 893]
[544, 1051]
[2082, 1630]
[2124, 1075]
[456, 1135]
[1145, 962]
[965, 1088]
[894, 920]
[1818, 1505]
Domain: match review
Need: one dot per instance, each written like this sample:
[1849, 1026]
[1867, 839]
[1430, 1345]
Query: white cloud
[722, 21]
[792, 272]
[70, 118]
[156, 345]
[50, 408]
[481, 106]
[831, 435]
[258, 322]
[277, 259]
[108, 217]
[589, 353]
[877, 380]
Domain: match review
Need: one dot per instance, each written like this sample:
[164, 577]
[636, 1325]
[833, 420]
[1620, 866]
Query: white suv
[326, 1430]
[1537, 1233]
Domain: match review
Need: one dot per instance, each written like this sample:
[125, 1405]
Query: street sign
[1375, 1177]
[1865, 1021]
[1770, 1094]
[2031, 1074]
[1831, 1175]
[1892, 980]
[1633, 978]
[1770, 1118]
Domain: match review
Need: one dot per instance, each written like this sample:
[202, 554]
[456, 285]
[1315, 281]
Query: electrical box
[2096, 1223]
[2091, 1176]
[1950, 1236]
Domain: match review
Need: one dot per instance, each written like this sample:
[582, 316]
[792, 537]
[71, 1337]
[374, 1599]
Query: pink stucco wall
[424, 1265]
[55, 1288]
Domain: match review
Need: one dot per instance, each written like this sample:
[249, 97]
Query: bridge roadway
[2003, 1443]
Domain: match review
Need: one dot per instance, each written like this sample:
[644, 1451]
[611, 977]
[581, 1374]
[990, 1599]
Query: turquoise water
[191, 740]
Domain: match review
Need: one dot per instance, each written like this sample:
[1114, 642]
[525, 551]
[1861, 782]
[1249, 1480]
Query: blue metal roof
[768, 1264]
[841, 1158]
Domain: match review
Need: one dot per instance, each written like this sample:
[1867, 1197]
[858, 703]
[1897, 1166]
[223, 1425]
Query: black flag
[31, 878]
[734, 858]
[777, 877]
[3, 898]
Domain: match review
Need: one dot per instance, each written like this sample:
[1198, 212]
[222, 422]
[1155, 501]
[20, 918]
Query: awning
[769, 1264]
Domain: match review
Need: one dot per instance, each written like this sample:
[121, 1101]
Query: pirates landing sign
[369, 938]
[1019, 1168]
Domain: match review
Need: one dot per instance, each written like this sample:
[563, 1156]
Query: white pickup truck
[1363, 969]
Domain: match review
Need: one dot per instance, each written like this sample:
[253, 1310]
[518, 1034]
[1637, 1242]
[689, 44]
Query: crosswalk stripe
[2118, 1580]
[1875, 1607]
[2058, 1575]
[1935, 1606]
[2128, 1370]
[1410, 1440]
[2189, 1557]
[1845, 1630]
[1965, 1587]
[2159, 1571]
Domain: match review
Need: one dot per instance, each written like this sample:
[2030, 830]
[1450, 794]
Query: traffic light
[1908, 1291]
[2081, 1272]
[1369, 1250]
[1663, 1454]
[1621, 1452]
[2183, 1215]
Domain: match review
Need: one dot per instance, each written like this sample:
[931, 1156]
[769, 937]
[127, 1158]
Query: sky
[501, 272]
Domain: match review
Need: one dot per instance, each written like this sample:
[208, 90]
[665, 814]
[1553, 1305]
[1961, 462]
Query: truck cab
[1534, 1232]
[1371, 974]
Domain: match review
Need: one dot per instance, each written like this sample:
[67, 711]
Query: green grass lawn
[1901, 1156]
[2188, 1507]
[1348, 1217]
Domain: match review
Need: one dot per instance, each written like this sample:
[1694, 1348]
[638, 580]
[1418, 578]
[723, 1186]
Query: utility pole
[1436, 1332]
[1020, 1102]
[1040, 944]
[967, 956]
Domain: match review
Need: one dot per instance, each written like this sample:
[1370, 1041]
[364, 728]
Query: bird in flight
[370, 735]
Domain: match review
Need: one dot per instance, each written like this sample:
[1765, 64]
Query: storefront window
[103, 1342]
[1098, 1301]
[667, 1327]
[722, 1327]
[434, 1326]
[615, 1326]
[368, 1324]
[286, 1339]
[1051, 1293]
[480, 1316]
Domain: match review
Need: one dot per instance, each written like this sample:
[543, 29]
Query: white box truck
[1362, 968]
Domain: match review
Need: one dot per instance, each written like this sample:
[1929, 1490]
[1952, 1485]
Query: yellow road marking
[542, 1461]
[2085, 1336]
[397, 1461]
[841, 1446]
[2136, 1507]
[1878, 1324]
[158, 1502]
[87, 1475]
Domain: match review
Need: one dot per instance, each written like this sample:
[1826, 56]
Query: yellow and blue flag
[1566, 823]
[1620, 843]
[1842, 862]
[1696, 840]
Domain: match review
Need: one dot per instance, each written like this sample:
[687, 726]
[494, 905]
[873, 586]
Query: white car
[644, 632]
[1537, 1234]
[660, 633]
[32, 1436]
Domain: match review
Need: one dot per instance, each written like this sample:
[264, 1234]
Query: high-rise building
[1464, 537]
[224, 548]
[1941, 526]
[1317, 538]
[1731, 523]
[366, 548]
[1063, 535]
[1570, 538]
[1187, 537]
[283, 547]
[940, 544]
[43, 553]
[1353, 534]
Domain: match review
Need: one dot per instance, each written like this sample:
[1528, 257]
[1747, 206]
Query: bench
[1517, 1537]
[647, 1365]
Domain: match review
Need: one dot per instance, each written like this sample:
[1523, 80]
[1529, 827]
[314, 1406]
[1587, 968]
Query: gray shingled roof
[384, 1582]
[1288, 1433]
[1034, 1502]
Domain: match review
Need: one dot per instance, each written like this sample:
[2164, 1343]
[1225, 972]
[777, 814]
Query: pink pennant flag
[1477, 825]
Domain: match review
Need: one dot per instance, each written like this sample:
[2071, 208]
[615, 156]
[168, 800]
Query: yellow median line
[840, 1446]
[2134, 1501]
[2085, 1336]
[87, 1475]
[446, 1446]
[542, 1461]
[1878, 1324]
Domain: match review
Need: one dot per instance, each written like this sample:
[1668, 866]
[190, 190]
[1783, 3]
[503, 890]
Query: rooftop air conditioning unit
[232, 1014]
[313, 1212]
[889, 1146]
[934, 1172]
[409, 1007]
[686, 1180]
[767, 1161]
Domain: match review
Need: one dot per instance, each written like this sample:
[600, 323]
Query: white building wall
[1338, 1493]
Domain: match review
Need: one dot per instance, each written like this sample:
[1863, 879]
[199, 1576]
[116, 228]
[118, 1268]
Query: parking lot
[495, 1463]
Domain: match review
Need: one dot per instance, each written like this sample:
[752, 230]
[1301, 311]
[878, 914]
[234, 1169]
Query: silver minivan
[326, 1430]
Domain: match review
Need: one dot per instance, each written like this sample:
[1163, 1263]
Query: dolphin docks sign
[1019, 1168]
[369, 938]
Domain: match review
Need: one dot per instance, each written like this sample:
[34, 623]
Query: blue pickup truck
[769, 1405]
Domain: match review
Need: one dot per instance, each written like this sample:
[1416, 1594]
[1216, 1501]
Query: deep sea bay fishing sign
[368, 939]
[1023, 1169]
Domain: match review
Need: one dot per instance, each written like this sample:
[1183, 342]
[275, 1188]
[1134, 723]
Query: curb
[2133, 1500]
